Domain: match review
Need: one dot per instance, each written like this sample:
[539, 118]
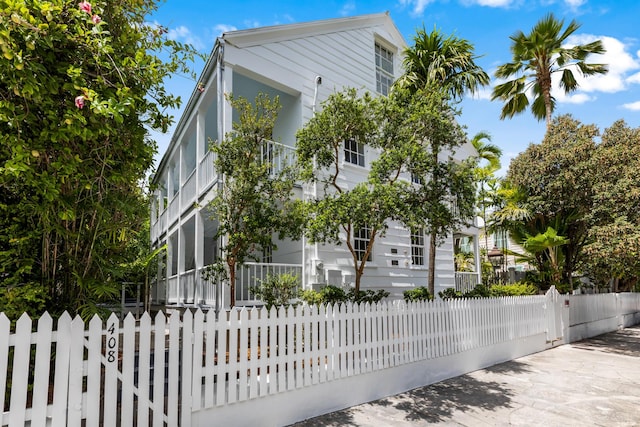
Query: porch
[191, 288]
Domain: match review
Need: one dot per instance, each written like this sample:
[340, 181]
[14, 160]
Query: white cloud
[574, 4]
[223, 28]
[481, 94]
[633, 106]
[348, 8]
[634, 78]
[618, 60]
[417, 5]
[492, 3]
[184, 34]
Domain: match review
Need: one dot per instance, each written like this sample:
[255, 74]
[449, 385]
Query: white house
[302, 64]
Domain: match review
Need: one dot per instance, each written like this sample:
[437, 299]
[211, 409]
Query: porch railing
[466, 280]
[251, 274]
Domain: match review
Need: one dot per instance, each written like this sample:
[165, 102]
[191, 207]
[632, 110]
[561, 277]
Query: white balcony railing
[206, 172]
[188, 190]
[174, 208]
[252, 273]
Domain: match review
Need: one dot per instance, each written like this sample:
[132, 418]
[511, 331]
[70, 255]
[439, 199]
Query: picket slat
[61, 376]
[159, 346]
[128, 361]
[198, 345]
[144, 352]
[20, 377]
[185, 372]
[174, 369]
[41, 371]
[76, 358]
[4, 360]
[112, 353]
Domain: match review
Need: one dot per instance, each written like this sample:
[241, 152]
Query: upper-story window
[417, 246]
[384, 69]
[354, 152]
[361, 239]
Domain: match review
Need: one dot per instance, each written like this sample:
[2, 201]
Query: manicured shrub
[417, 294]
[514, 289]
[277, 290]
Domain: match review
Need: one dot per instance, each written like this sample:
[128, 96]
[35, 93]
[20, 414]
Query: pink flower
[96, 19]
[85, 6]
[80, 101]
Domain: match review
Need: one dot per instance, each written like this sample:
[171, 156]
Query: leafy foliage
[446, 66]
[332, 294]
[403, 129]
[614, 235]
[553, 182]
[417, 294]
[536, 57]
[255, 200]
[482, 291]
[80, 88]
[277, 290]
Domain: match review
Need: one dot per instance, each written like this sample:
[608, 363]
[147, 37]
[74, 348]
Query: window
[267, 254]
[360, 241]
[417, 246]
[500, 239]
[384, 69]
[416, 179]
[354, 152]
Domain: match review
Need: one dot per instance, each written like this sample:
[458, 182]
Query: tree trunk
[232, 283]
[432, 264]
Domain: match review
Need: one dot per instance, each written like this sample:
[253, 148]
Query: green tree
[537, 56]
[614, 234]
[436, 62]
[81, 86]
[254, 201]
[484, 175]
[340, 214]
[553, 182]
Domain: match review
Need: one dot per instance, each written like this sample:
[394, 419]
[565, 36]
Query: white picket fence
[166, 371]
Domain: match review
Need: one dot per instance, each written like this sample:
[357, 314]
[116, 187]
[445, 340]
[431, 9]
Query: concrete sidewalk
[595, 382]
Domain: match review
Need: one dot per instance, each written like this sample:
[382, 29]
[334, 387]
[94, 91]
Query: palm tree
[536, 57]
[449, 63]
[484, 174]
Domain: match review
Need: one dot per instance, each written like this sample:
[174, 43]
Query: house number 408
[112, 343]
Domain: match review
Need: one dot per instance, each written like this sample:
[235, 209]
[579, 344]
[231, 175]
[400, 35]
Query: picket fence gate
[162, 372]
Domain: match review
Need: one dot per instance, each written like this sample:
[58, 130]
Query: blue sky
[485, 23]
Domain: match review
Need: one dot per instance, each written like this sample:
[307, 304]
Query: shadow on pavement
[626, 342]
[436, 402]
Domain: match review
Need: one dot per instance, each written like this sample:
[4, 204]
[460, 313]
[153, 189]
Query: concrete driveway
[595, 382]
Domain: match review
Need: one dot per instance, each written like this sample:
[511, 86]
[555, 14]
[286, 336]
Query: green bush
[514, 289]
[368, 296]
[417, 294]
[450, 293]
[331, 294]
[277, 290]
[30, 298]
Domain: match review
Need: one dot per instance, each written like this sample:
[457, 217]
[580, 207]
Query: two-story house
[302, 64]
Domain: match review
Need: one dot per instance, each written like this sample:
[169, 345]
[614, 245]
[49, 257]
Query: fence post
[554, 315]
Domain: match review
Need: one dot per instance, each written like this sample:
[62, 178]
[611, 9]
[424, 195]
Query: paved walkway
[595, 382]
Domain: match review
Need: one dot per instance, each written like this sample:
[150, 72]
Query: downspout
[314, 188]
[220, 101]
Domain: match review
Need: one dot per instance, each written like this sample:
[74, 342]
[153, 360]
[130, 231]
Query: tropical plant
[81, 86]
[448, 63]
[537, 56]
[545, 246]
[446, 60]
